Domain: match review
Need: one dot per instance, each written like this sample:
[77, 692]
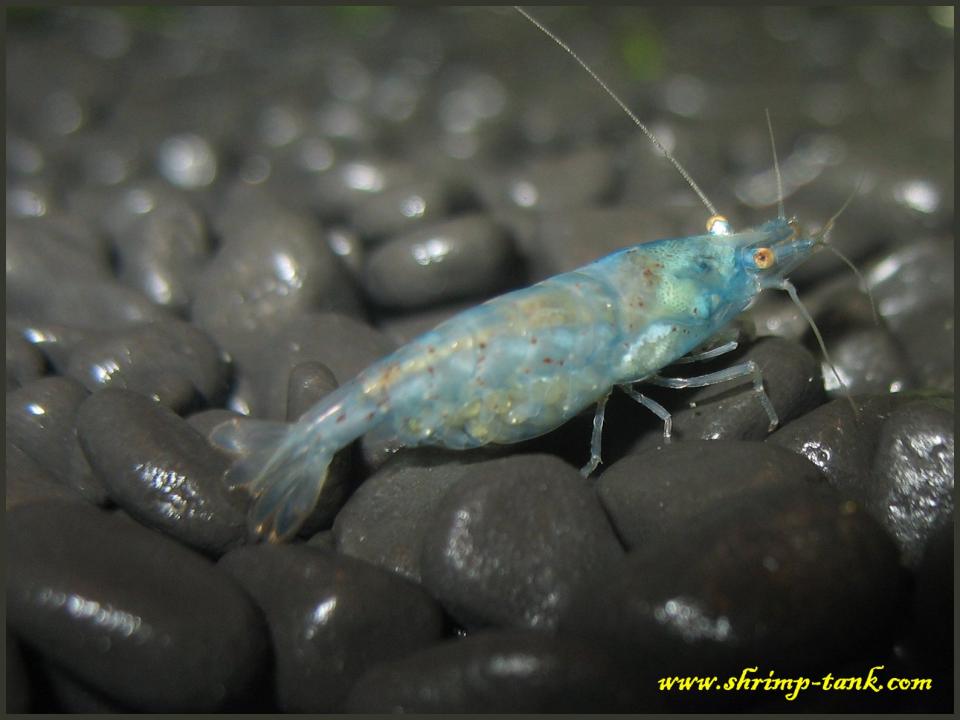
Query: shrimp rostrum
[524, 363]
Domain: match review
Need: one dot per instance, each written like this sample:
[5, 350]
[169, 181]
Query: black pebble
[912, 477]
[27, 482]
[467, 257]
[793, 577]
[330, 618]
[513, 540]
[661, 491]
[511, 671]
[895, 457]
[384, 521]
[309, 383]
[836, 440]
[18, 695]
[160, 470]
[264, 359]
[41, 421]
[173, 362]
[24, 362]
[132, 614]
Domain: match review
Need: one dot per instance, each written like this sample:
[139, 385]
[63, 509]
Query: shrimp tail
[284, 474]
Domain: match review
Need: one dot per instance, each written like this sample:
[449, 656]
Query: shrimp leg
[729, 341]
[708, 354]
[653, 406]
[595, 437]
[731, 373]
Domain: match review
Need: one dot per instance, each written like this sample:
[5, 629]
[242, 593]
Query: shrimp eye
[763, 258]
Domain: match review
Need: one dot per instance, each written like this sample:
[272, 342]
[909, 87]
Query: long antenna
[822, 238]
[776, 168]
[792, 292]
[636, 120]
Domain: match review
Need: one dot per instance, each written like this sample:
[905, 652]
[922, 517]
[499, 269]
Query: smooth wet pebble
[64, 693]
[557, 244]
[107, 159]
[868, 356]
[27, 482]
[187, 160]
[467, 257]
[309, 383]
[896, 458]
[17, 688]
[511, 671]
[912, 278]
[934, 610]
[161, 470]
[271, 269]
[162, 252]
[912, 475]
[264, 360]
[330, 619]
[652, 493]
[354, 180]
[173, 362]
[123, 207]
[101, 305]
[41, 421]
[581, 178]
[50, 250]
[838, 442]
[796, 575]
[914, 291]
[24, 362]
[54, 342]
[30, 198]
[384, 521]
[512, 541]
[929, 341]
[132, 614]
[870, 361]
[323, 541]
[400, 209]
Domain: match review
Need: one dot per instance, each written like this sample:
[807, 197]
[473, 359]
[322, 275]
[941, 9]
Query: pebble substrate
[214, 211]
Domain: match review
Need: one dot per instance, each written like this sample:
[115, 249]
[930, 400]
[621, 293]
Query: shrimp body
[520, 364]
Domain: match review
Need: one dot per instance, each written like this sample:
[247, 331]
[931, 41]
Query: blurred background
[378, 121]
[93, 94]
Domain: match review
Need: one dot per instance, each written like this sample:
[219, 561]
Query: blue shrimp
[524, 363]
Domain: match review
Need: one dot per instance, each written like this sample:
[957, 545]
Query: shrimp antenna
[636, 120]
[776, 168]
[792, 292]
[821, 238]
[860, 278]
[824, 233]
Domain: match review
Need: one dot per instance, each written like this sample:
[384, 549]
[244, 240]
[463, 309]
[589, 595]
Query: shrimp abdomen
[508, 370]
